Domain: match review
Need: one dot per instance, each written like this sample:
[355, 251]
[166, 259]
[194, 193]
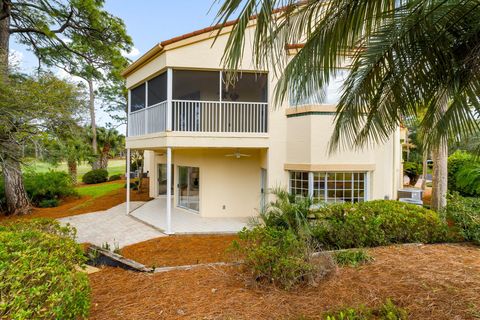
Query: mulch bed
[78, 205]
[180, 250]
[431, 282]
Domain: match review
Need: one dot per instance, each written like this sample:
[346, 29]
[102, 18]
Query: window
[249, 87]
[330, 94]
[137, 98]
[330, 186]
[157, 89]
[196, 85]
[299, 183]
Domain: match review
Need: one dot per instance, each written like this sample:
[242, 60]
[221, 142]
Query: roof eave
[147, 56]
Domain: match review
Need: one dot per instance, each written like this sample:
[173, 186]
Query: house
[215, 149]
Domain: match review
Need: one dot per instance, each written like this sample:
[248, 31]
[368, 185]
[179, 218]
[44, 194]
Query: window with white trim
[330, 186]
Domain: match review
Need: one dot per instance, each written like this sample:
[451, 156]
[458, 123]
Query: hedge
[95, 176]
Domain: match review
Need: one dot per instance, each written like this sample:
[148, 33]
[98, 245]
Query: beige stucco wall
[229, 187]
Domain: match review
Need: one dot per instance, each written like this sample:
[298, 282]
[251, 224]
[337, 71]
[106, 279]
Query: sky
[148, 22]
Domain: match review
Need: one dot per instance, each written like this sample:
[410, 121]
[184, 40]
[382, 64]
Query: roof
[159, 47]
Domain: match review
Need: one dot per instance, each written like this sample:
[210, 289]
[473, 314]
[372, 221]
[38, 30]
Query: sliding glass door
[162, 179]
[189, 188]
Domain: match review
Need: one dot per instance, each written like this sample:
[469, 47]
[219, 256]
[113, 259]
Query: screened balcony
[199, 101]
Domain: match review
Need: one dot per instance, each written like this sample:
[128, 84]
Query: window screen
[157, 89]
[249, 87]
[196, 85]
[137, 98]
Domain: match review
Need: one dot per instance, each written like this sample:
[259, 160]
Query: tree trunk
[440, 169]
[424, 170]
[72, 170]
[93, 124]
[16, 198]
[15, 194]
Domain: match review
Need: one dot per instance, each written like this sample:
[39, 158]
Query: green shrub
[387, 311]
[95, 176]
[412, 170]
[376, 223]
[352, 258]
[49, 203]
[464, 213]
[115, 177]
[279, 257]
[462, 177]
[38, 272]
[47, 185]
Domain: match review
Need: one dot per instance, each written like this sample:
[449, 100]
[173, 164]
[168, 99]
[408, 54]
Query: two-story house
[215, 149]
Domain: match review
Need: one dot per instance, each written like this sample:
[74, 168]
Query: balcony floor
[184, 222]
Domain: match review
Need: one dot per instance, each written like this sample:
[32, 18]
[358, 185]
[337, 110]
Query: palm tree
[404, 56]
[109, 142]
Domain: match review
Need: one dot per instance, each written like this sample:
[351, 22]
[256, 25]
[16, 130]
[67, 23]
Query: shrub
[412, 170]
[462, 167]
[376, 223]
[49, 203]
[38, 272]
[115, 177]
[95, 176]
[387, 311]
[278, 256]
[464, 213]
[352, 258]
[47, 186]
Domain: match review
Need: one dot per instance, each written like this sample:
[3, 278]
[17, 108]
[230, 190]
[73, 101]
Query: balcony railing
[200, 116]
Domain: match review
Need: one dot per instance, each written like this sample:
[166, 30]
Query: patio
[184, 222]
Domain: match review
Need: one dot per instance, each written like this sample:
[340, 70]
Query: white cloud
[132, 54]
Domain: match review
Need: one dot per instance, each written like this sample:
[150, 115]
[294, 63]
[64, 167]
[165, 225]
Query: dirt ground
[77, 205]
[431, 282]
[180, 250]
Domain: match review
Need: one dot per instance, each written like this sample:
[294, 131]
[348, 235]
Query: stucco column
[169, 191]
[128, 180]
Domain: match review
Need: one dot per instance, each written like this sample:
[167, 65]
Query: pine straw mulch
[85, 204]
[180, 250]
[430, 281]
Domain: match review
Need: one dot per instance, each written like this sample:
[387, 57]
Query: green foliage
[49, 203]
[352, 258]
[413, 170]
[277, 256]
[48, 186]
[38, 272]
[287, 212]
[464, 213]
[376, 223]
[387, 311]
[464, 174]
[95, 176]
[115, 177]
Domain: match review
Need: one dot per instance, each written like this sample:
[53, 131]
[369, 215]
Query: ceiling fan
[237, 154]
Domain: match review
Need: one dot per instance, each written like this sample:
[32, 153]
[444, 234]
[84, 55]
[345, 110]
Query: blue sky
[148, 22]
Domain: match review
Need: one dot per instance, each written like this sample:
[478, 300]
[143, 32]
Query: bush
[412, 170]
[376, 223]
[47, 186]
[115, 177]
[49, 203]
[278, 256]
[95, 176]
[462, 167]
[387, 311]
[464, 213]
[38, 272]
[352, 258]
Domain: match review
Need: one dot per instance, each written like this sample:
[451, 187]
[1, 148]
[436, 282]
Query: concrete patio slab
[112, 226]
[184, 222]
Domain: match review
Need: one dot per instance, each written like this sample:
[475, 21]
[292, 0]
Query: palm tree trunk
[72, 170]
[440, 169]
[93, 124]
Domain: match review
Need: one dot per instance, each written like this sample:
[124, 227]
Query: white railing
[216, 116]
[201, 116]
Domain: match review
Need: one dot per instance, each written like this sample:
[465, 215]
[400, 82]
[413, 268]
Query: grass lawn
[115, 166]
[98, 190]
